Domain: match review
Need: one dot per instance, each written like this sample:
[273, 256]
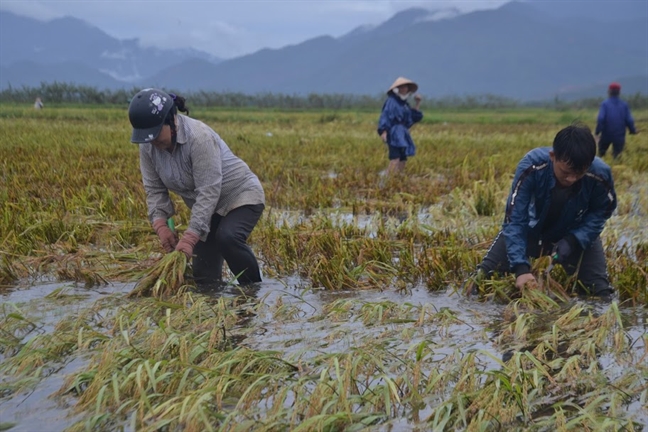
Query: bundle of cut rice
[165, 278]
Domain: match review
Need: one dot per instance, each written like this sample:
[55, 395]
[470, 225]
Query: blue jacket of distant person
[396, 118]
[613, 118]
[527, 206]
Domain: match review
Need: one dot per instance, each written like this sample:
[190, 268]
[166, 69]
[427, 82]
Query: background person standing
[395, 121]
[613, 118]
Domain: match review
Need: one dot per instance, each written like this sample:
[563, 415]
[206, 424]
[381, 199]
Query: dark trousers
[399, 153]
[227, 240]
[617, 146]
[592, 272]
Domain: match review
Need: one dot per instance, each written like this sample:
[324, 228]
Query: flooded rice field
[361, 323]
[399, 333]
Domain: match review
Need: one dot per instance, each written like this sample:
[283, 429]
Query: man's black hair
[575, 145]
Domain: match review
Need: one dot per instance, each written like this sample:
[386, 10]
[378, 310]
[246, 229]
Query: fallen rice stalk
[164, 279]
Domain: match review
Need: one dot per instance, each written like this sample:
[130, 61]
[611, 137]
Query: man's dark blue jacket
[527, 207]
[613, 118]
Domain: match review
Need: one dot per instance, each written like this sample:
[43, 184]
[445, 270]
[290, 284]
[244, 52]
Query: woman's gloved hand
[187, 243]
[167, 237]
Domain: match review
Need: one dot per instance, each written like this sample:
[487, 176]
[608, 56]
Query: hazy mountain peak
[400, 21]
[61, 42]
[441, 14]
[358, 31]
[405, 18]
[602, 11]
[69, 20]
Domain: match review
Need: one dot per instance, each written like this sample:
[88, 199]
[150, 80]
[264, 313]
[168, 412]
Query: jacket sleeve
[388, 116]
[516, 221]
[603, 201]
[158, 201]
[629, 121]
[417, 116]
[208, 178]
[600, 120]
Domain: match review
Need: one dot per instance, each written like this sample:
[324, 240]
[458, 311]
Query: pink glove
[167, 237]
[187, 243]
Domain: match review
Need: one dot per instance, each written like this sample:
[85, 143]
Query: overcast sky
[229, 28]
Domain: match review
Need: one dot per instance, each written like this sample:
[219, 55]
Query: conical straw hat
[402, 80]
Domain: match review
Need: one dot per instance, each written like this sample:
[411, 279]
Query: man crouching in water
[560, 199]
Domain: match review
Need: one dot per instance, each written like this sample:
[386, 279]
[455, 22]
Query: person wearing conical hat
[396, 118]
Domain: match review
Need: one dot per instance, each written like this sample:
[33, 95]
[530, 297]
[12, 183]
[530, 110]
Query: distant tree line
[60, 93]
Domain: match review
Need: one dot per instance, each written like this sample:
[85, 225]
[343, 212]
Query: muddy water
[34, 409]
[305, 333]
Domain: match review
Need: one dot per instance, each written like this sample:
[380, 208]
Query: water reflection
[46, 304]
[311, 332]
[216, 290]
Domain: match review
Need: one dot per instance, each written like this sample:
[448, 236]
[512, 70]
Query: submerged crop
[361, 322]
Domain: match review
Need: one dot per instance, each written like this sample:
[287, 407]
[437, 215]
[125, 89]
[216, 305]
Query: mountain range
[530, 50]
